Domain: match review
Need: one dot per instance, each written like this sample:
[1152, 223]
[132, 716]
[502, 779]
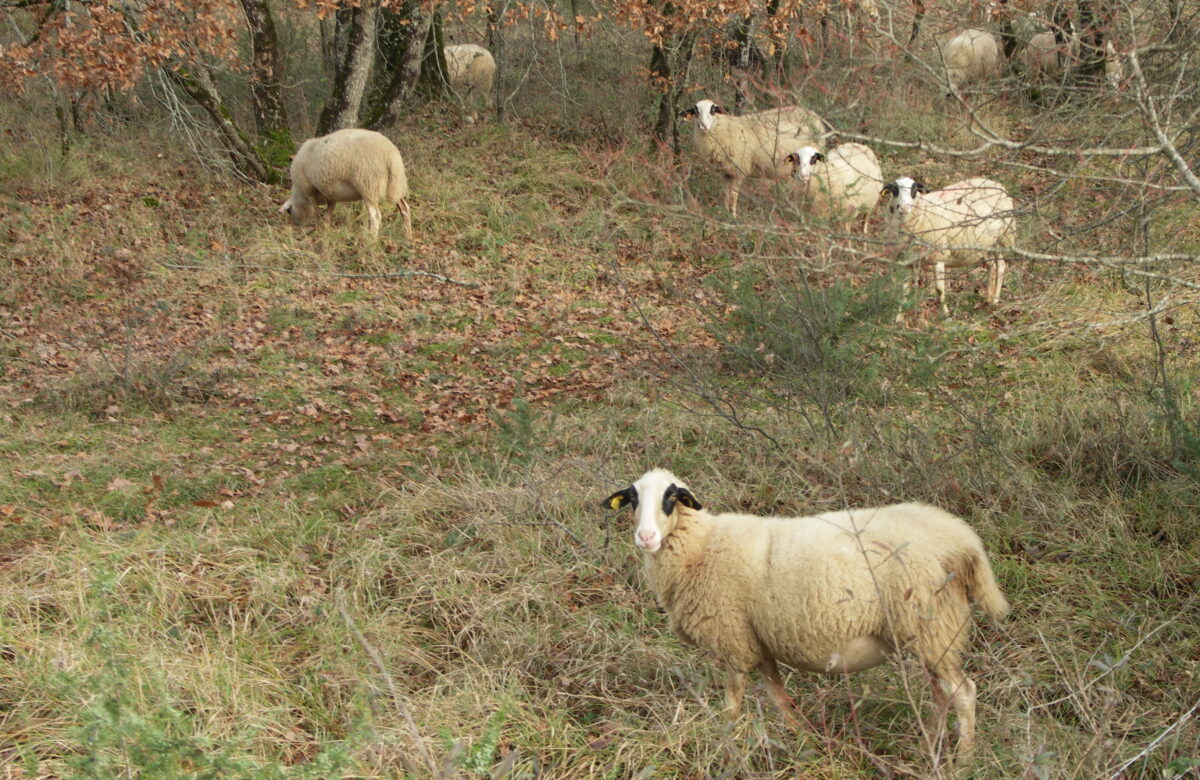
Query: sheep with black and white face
[834, 593]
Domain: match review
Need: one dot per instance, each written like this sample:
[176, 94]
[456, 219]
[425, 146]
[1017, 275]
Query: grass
[264, 504]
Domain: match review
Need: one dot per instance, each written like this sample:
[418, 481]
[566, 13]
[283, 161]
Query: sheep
[471, 69]
[348, 165]
[846, 180]
[1040, 56]
[835, 593]
[969, 57]
[1044, 58]
[958, 224]
[752, 144]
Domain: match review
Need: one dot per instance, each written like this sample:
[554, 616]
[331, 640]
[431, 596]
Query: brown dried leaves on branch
[109, 44]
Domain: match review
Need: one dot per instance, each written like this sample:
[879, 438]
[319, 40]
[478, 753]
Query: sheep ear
[675, 494]
[817, 157]
[893, 189]
[687, 499]
[688, 113]
[717, 109]
[918, 188]
[622, 498]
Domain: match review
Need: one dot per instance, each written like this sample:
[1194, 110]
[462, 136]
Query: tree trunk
[266, 77]
[434, 77]
[671, 77]
[780, 64]
[1095, 20]
[918, 15]
[350, 81]
[660, 75]
[743, 64]
[198, 85]
[403, 84]
[495, 39]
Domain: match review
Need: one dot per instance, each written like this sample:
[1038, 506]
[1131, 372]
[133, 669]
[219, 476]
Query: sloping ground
[266, 499]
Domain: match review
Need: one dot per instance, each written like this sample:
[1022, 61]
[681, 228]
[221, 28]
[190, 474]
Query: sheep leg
[939, 283]
[935, 724]
[375, 218]
[735, 688]
[770, 672]
[731, 196]
[914, 282]
[954, 689]
[996, 270]
[407, 213]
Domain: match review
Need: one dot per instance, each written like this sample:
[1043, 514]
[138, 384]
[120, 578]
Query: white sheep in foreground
[834, 593]
[956, 226]
[344, 166]
[752, 144]
[970, 57]
[471, 69]
[839, 184]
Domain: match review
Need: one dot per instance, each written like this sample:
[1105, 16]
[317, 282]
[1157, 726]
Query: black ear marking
[687, 499]
[689, 112]
[817, 157]
[717, 109]
[622, 498]
[675, 494]
[918, 188]
[892, 188]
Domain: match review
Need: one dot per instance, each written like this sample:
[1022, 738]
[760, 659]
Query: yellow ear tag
[616, 502]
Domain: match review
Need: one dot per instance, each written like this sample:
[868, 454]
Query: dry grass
[271, 512]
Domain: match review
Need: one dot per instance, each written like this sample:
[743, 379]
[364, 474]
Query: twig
[1145, 751]
[405, 713]
[1124, 659]
[339, 274]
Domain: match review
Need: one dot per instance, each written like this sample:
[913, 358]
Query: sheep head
[904, 192]
[655, 498]
[705, 112]
[803, 160]
[301, 211]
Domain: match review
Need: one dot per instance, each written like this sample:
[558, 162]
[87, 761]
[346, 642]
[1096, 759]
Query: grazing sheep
[958, 224]
[1041, 56]
[752, 144]
[1045, 58]
[471, 69]
[969, 57]
[839, 184]
[348, 165]
[834, 593]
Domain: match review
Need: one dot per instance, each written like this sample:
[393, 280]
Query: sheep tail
[983, 588]
[397, 183]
